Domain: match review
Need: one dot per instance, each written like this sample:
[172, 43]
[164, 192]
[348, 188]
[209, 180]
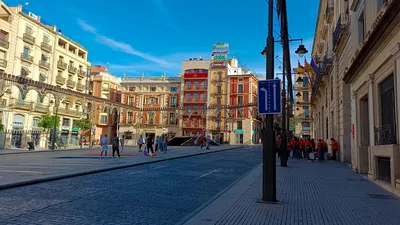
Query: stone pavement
[22, 169]
[310, 193]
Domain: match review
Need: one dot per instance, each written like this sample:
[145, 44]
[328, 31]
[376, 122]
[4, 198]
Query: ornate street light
[301, 50]
[299, 80]
[298, 94]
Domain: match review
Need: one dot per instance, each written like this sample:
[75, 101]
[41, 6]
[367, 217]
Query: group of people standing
[117, 145]
[308, 149]
[160, 144]
[204, 141]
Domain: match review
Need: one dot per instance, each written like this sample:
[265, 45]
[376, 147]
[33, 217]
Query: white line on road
[206, 174]
[141, 171]
[20, 171]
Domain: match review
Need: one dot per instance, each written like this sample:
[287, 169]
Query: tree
[47, 121]
[83, 124]
[1, 127]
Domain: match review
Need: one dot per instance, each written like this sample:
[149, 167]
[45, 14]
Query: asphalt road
[160, 193]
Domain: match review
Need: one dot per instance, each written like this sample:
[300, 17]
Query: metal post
[53, 140]
[269, 153]
[284, 153]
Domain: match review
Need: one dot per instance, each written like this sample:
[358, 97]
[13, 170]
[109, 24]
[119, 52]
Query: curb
[70, 175]
[44, 151]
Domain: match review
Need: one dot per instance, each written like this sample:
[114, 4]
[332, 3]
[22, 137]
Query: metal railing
[81, 73]
[60, 79]
[29, 38]
[61, 65]
[4, 43]
[385, 135]
[3, 63]
[341, 27]
[71, 83]
[46, 46]
[26, 57]
[80, 87]
[44, 64]
[72, 69]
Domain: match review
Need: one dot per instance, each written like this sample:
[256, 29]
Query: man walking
[335, 148]
[104, 146]
[122, 143]
[115, 146]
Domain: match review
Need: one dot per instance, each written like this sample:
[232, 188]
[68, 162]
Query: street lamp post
[53, 140]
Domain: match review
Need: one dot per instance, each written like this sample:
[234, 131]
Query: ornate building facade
[302, 106]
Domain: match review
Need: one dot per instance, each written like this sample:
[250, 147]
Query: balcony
[60, 80]
[328, 62]
[172, 105]
[195, 88]
[68, 111]
[26, 57]
[329, 11]
[79, 87]
[3, 63]
[81, 73]
[61, 65]
[41, 108]
[28, 38]
[43, 64]
[386, 135]
[45, 47]
[216, 93]
[4, 43]
[72, 69]
[71, 83]
[341, 32]
[195, 101]
[20, 104]
[218, 79]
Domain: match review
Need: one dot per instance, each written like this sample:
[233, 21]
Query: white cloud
[118, 45]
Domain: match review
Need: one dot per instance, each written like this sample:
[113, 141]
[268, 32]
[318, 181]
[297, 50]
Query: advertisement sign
[226, 52]
[220, 57]
[220, 45]
[218, 64]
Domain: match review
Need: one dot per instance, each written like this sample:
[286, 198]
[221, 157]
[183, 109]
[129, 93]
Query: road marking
[20, 171]
[141, 171]
[206, 174]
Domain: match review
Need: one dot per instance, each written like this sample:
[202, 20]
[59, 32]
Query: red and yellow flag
[308, 67]
[300, 68]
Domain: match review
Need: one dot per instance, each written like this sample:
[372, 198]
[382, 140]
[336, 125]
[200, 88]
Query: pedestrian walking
[321, 151]
[157, 146]
[104, 146]
[309, 151]
[164, 143]
[115, 146]
[122, 143]
[294, 143]
[141, 142]
[149, 145]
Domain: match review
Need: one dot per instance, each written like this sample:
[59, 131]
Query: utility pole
[269, 152]
[284, 153]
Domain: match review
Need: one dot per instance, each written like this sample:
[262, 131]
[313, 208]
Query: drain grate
[388, 197]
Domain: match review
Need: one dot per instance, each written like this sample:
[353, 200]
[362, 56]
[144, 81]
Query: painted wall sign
[218, 64]
[220, 52]
[220, 57]
[220, 45]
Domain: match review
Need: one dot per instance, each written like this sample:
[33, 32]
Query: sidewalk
[23, 169]
[311, 193]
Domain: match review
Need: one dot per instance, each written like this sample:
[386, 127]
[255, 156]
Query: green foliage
[83, 124]
[1, 127]
[47, 121]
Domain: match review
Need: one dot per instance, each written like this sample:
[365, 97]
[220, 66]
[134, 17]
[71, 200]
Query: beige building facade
[33, 53]
[302, 107]
[330, 97]
[373, 71]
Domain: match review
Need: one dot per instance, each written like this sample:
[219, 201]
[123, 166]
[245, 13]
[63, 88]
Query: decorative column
[371, 113]
[354, 133]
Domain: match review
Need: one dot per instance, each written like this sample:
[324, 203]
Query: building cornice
[383, 28]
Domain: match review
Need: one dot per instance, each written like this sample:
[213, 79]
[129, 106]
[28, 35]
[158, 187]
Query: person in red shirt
[302, 149]
[308, 146]
[278, 143]
[294, 143]
[335, 148]
[321, 150]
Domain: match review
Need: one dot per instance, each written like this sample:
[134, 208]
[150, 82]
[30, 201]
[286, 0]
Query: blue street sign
[269, 96]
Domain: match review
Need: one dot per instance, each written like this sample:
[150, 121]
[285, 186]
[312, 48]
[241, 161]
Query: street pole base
[276, 202]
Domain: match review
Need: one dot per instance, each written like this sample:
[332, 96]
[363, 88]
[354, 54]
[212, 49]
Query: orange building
[105, 85]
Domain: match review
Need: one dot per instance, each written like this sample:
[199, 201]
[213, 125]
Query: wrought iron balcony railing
[385, 135]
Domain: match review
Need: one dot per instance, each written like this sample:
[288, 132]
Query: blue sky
[153, 36]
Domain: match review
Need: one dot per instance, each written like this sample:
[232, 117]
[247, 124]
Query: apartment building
[105, 85]
[159, 100]
[32, 54]
[195, 85]
[302, 106]
[373, 71]
[330, 95]
[243, 122]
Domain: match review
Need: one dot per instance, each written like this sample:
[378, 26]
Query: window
[306, 126]
[196, 71]
[187, 85]
[173, 89]
[43, 58]
[196, 84]
[151, 118]
[105, 87]
[219, 100]
[151, 101]
[153, 89]
[306, 111]
[219, 90]
[240, 113]
[240, 100]
[218, 124]
[132, 88]
[361, 27]
[65, 122]
[28, 30]
[35, 122]
[42, 77]
[131, 100]
[387, 99]
[219, 76]
[204, 97]
[204, 84]
[305, 96]
[46, 39]
[305, 81]
[239, 125]
[379, 4]
[240, 88]
[130, 117]
[196, 97]
[26, 52]
[172, 118]
[172, 102]
[24, 72]
[103, 119]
